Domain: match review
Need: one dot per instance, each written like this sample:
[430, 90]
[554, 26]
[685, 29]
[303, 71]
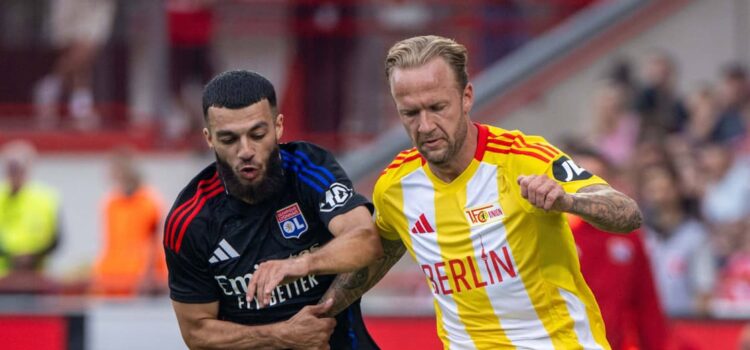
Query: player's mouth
[431, 144]
[249, 173]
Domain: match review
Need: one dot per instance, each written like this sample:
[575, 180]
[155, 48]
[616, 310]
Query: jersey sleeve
[189, 278]
[386, 230]
[533, 155]
[323, 181]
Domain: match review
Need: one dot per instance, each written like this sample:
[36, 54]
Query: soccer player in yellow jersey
[481, 210]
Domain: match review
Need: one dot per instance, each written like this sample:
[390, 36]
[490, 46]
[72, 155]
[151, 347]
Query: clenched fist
[544, 193]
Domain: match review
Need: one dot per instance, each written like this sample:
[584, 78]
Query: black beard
[270, 185]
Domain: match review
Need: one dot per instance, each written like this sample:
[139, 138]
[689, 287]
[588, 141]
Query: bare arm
[606, 208]
[201, 330]
[600, 205]
[348, 287]
[355, 245]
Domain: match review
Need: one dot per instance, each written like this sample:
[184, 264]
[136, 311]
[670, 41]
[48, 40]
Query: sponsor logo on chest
[291, 221]
[484, 214]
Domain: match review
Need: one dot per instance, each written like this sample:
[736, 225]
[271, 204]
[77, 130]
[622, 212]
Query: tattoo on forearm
[348, 287]
[357, 279]
[607, 209]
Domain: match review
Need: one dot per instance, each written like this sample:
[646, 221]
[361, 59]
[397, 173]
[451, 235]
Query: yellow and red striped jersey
[504, 274]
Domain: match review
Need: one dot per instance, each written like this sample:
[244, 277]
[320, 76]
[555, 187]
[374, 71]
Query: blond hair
[417, 51]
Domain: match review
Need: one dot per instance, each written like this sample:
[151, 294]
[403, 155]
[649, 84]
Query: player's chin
[251, 181]
[435, 156]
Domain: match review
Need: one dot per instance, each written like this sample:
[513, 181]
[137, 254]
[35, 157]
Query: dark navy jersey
[214, 241]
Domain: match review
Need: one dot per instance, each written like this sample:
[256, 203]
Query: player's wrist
[281, 333]
[306, 264]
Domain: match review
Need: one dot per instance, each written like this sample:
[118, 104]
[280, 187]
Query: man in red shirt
[617, 269]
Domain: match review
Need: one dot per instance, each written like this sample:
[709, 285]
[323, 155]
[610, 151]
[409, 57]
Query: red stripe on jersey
[521, 142]
[403, 154]
[195, 212]
[481, 141]
[534, 146]
[517, 151]
[401, 157]
[550, 148]
[499, 142]
[537, 145]
[179, 213]
[406, 160]
[168, 232]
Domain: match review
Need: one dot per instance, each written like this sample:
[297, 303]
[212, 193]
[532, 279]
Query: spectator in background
[733, 98]
[503, 29]
[615, 127]
[327, 35]
[620, 73]
[733, 286]
[80, 28]
[703, 114]
[29, 222]
[131, 261]
[190, 28]
[681, 257]
[725, 198]
[618, 271]
[726, 191]
[658, 105]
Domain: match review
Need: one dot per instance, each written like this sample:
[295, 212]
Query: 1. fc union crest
[291, 221]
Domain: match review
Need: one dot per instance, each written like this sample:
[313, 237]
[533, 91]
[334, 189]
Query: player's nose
[425, 124]
[246, 150]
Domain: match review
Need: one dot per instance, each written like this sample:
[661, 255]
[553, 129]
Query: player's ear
[468, 97]
[279, 123]
[209, 139]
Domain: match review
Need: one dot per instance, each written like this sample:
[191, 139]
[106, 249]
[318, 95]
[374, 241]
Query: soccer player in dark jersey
[259, 201]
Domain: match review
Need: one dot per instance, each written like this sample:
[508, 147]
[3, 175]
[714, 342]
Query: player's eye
[258, 136]
[438, 107]
[228, 140]
[410, 113]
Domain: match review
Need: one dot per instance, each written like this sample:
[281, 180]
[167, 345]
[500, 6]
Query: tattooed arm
[348, 287]
[606, 208]
[600, 205]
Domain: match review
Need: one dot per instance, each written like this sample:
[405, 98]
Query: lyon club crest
[291, 221]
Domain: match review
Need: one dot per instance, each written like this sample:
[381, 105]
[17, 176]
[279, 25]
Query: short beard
[271, 183]
[453, 148]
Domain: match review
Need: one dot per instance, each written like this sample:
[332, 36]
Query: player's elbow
[631, 219]
[636, 219]
[373, 247]
[197, 338]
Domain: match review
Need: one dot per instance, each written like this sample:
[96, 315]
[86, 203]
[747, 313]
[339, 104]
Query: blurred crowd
[685, 156]
[130, 261]
[89, 63]
[76, 64]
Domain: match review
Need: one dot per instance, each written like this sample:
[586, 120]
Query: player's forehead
[430, 81]
[237, 119]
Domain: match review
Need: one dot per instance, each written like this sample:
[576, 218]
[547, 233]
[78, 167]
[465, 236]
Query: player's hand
[308, 329]
[544, 193]
[271, 273]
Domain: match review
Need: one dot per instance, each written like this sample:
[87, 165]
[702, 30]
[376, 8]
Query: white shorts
[81, 20]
